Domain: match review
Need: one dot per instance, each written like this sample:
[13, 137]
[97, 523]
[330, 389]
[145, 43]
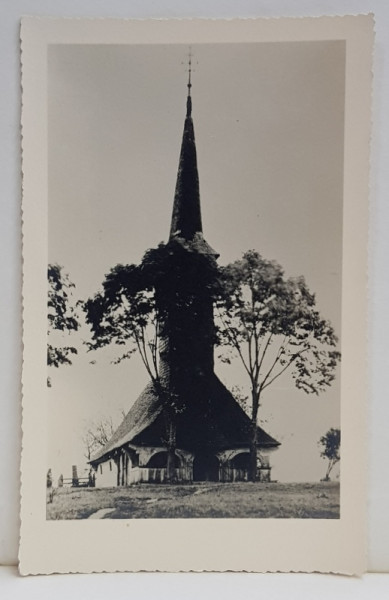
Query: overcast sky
[269, 133]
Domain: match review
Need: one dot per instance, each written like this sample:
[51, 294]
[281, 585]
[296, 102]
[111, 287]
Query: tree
[61, 315]
[124, 313]
[330, 443]
[142, 307]
[272, 325]
[97, 435]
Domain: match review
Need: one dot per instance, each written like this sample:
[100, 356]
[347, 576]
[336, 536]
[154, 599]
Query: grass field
[203, 500]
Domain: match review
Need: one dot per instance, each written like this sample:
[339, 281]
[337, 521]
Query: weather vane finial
[189, 70]
[189, 99]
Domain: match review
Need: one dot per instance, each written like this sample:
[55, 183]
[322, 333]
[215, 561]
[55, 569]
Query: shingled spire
[186, 219]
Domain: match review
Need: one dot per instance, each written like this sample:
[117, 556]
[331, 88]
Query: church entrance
[205, 467]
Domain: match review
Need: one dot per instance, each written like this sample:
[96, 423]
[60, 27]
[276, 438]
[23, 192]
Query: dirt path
[100, 514]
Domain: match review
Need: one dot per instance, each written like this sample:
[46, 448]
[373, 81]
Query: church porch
[132, 465]
[141, 465]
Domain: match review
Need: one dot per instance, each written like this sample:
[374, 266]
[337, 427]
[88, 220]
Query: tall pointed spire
[186, 218]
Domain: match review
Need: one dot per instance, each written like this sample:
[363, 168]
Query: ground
[204, 500]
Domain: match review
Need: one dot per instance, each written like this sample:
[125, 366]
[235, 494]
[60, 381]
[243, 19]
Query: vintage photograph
[195, 198]
[195, 210]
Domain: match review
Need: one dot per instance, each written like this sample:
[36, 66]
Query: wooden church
[212, 431]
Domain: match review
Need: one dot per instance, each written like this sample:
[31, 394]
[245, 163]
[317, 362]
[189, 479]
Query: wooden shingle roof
[212, 420]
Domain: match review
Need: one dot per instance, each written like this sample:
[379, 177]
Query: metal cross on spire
[189, 70]
[189, 84]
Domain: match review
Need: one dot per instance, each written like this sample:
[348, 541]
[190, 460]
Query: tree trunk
[329, 469]
[253, 452]
[171, 430]
[253, 441]
[171, 449]
[117, 463]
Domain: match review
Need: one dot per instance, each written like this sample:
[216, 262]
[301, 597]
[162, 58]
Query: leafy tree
[124, 313]
[330, 443]
[61, 315]
[141, 307]
[272, 325]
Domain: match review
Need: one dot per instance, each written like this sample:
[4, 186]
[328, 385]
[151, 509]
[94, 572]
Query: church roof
[215, 421]
[197, 244]
[186, 225]
[145, 410]
[186, 218]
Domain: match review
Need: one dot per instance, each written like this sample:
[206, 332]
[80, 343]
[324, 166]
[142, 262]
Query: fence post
[74, 476]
